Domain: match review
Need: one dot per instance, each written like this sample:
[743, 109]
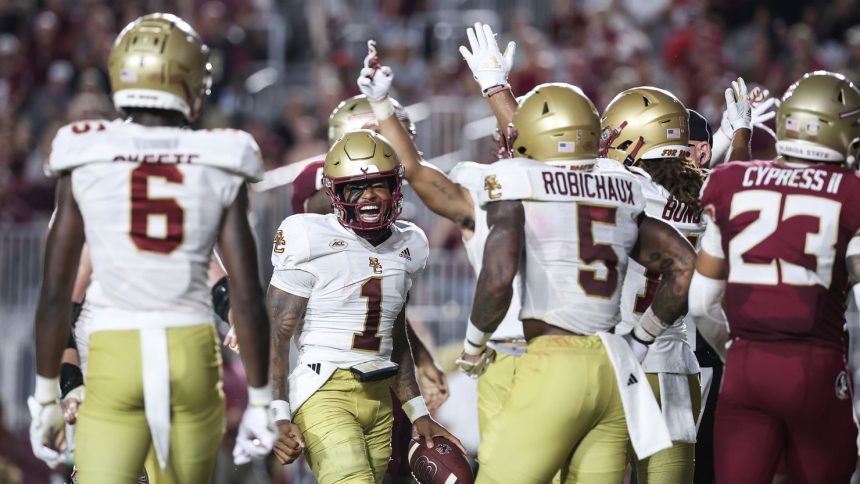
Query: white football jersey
[355, 290]
[152, 200]
[580, 226]
[672, 351]
[470, 175]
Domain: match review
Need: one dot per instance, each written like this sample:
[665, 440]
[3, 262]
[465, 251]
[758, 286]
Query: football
[445, 463]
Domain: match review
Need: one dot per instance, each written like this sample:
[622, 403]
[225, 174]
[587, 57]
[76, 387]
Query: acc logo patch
[337, 244]
[842, 385]
[491, 185]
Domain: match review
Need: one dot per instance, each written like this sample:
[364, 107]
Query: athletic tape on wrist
[649, 327]
[47, 390]
[415, 408]
[280, 410]
[476, 340]
[382, 109]
[491, 91]
[260, 397]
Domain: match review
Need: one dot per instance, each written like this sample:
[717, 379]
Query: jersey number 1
[144, 208]
[369, 340]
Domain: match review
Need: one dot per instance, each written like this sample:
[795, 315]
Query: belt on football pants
[153, 326]
[514, 346]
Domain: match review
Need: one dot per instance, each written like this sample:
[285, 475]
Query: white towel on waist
[156, 389]
[645, 424]
[677, 407]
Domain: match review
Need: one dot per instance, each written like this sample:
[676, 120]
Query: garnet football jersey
[785, 230]
[152, 200]
[355, 290]
[580, 226]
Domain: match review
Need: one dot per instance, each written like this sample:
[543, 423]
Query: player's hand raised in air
[375, 80]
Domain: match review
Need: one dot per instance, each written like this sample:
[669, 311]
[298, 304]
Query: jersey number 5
[369, 340]
[163, 210]
[591, 251]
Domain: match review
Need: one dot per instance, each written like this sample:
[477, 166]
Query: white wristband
[280, 410]
[47, 390]
[415, 408]
[476, 340]
[650, 326]
[382, 109]
[260, 397]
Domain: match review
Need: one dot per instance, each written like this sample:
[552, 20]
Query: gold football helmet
[645, 123]
[556, 122]
[363, 156]
[819, 119]
[355, 113]
[158, 61]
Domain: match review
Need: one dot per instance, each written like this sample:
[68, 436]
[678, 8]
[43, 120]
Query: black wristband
[70, 378]
[221, 298]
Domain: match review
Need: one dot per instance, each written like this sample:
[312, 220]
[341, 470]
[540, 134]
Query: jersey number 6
[164, 210]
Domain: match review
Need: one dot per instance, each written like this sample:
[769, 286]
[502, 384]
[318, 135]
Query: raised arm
[437, 191]
[661, 248]
[490, 68]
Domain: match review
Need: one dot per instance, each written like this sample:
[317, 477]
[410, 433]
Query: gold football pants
[676, 464]
[494, 386]
[347, 429]
[112, 439]
[564, 412]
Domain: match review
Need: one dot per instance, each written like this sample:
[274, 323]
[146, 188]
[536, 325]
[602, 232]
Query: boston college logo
[377, 267]
[491, 185]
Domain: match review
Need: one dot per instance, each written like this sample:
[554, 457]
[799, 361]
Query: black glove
[221, 298]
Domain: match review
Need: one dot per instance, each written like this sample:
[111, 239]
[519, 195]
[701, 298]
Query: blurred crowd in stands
[280, 66]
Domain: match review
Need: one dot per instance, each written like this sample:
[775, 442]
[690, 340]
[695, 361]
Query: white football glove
[256, 435]
[474, 369]
[46, 424]
[738, 113]
[489, 66]
[374, 80]
[639, 349]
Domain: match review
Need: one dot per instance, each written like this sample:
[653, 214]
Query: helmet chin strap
[631, 158]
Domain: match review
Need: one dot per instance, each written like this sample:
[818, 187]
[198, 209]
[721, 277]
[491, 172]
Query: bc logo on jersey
[374, 263]
[279, 242]
[491, 185]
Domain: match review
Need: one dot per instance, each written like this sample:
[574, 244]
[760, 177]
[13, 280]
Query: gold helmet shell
[645, 123]
[819, 118]
[556, 122]
[355, 113]
[362, 156]
[158, 61]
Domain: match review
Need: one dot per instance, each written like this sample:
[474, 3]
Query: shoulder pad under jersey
[100, 141]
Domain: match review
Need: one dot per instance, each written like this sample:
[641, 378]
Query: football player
[345, 276]
[778, 234]
[151, 196]
[455, 197]
[570, 223]
[647, 129]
